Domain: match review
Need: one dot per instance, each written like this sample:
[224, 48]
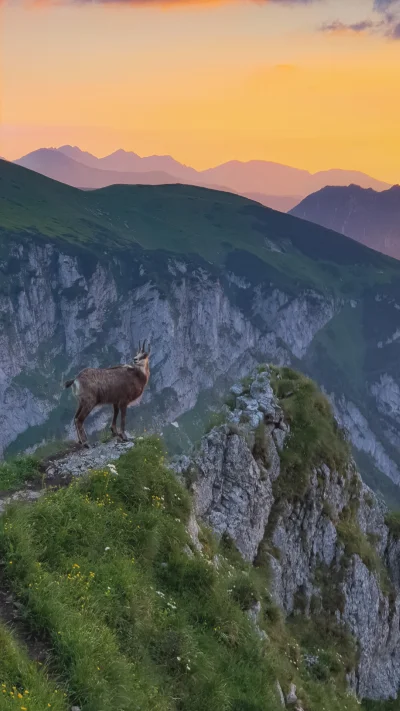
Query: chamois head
[142, 356]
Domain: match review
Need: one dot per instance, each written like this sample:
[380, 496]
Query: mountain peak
[122, 152]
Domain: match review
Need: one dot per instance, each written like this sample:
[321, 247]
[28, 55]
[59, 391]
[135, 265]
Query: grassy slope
[133, 622]
[185, 219]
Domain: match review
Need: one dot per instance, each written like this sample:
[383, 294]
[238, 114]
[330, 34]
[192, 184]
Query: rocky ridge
[330, 551]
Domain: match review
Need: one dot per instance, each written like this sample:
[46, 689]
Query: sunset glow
[313, 85]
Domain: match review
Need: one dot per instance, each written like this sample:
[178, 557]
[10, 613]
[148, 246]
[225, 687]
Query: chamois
[119, 385]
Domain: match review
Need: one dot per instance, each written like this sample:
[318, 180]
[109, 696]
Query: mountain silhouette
[272, 184]
[368, 216]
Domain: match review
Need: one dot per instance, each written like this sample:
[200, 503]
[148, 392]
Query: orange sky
[203, 83]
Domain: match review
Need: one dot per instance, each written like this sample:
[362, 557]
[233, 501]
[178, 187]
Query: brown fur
[119, 385]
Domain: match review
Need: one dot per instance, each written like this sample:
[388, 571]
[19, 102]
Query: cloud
[388, 26]
[338, 27]
[391, 12]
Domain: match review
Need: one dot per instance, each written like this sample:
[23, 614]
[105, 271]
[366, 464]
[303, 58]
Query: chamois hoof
[85, 445]
[123, 437]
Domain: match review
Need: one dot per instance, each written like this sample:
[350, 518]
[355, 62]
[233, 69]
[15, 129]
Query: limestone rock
[84, 460]
[233, 493]
[230, 493]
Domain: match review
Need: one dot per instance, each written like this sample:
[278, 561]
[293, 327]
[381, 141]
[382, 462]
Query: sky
[313, 84]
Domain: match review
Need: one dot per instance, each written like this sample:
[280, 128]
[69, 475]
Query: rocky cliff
[62, 311]
[277, 479]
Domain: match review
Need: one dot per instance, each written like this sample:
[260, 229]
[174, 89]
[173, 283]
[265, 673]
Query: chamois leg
[114, 422]
[122, 434]
[77, 413]
[85, 411]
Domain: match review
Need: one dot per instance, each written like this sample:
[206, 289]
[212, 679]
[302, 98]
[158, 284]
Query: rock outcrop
[328, 550]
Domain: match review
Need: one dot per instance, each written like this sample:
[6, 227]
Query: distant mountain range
[58, 166]
[272, 184]
[368, 216]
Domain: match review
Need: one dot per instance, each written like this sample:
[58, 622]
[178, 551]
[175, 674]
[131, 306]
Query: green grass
[15, 472]
[315, 437]
[23, 684]
[132, 621]
[323, 637]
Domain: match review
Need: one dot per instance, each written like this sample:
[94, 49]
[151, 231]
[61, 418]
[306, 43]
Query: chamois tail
[69, 383]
